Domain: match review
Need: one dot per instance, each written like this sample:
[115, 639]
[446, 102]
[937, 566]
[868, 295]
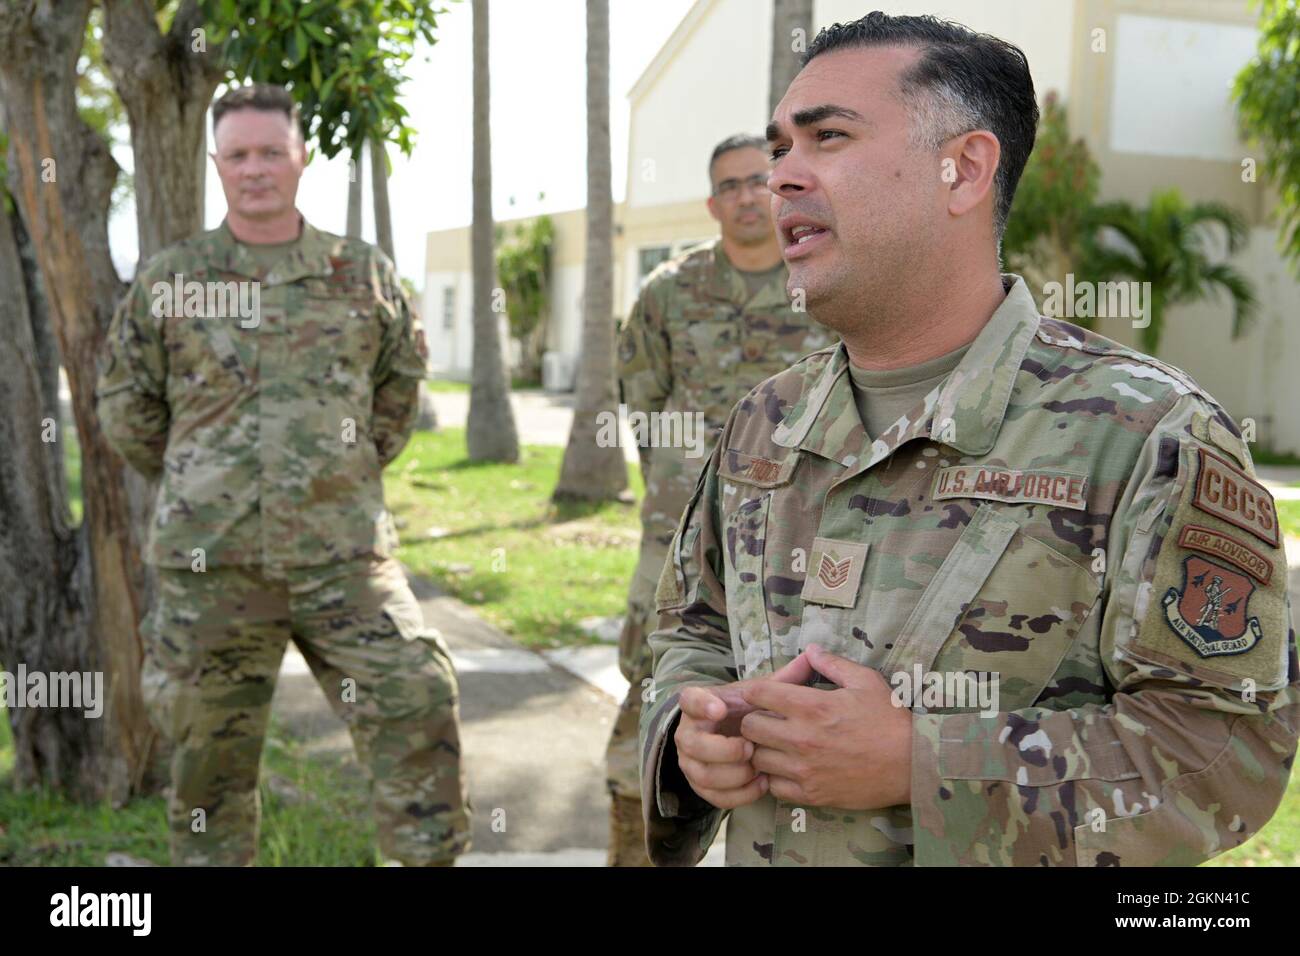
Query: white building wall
[448, 356]
[565, 336]
[714, 87]
[1172, 92]
[1043, 29]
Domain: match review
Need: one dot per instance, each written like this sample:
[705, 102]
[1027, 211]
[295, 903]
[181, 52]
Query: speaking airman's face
[260, 157]
[853, 200]
[740, 197]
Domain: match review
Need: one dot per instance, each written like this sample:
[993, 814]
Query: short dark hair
[738, 141]
[257, 96]
[963, 81]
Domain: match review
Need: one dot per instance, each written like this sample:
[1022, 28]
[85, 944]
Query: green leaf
[317, 33]
[327, 87]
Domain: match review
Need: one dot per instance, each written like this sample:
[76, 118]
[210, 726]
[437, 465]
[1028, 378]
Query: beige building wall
[1154, 106]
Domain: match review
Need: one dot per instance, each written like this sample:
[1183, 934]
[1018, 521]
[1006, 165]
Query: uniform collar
[965, 411]
[726, 282]
[310, 257]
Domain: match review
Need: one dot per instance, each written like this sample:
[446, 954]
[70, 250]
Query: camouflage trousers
[622, 756]
[213, 645]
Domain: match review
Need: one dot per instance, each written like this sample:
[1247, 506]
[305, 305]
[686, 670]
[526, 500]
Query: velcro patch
[1228, 548]
[1228, 494]
[755, 470]
[834, 572]
[1211, 610]
[1012, 485]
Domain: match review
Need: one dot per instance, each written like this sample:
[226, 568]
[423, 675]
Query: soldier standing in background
[706, 328]
[960, 490]
[265, 372]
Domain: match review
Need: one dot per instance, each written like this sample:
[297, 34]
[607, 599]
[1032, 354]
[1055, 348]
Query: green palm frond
[1245, 307]
[1169, 244]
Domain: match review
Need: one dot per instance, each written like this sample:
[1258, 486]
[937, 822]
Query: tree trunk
[354, 194]
[46, 616]
[72, 602]
[490, 429]
[787, 17]
[166, 85]
[379, 186]
[591, 471]
[166, 88]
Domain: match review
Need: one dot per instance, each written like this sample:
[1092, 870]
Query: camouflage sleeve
[399, 368]
[645, 373]
[1192, 753]
[131, 394]
[691, 647]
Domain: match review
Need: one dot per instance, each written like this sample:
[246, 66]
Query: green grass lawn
[326, 822]
[1288, 513]
[443, 385]
[489, 534]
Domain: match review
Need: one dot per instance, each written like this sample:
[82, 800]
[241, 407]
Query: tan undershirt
[756, 280]
[884, 396]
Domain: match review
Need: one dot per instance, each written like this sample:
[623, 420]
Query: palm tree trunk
[787, 16]
[353, 229]
[379, 186]
[490, 426]
[590, 471]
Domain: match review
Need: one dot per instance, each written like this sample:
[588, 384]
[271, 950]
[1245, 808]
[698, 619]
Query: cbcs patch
[1209, 610]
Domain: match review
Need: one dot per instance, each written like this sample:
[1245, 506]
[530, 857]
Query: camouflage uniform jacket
[269, 433]
[697, 341]
[1061, 511]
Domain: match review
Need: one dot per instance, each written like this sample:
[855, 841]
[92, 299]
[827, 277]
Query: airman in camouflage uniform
[267, 433]
[1063, 512]
[701, 334]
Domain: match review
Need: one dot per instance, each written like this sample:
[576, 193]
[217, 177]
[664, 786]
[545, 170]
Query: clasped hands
[849, 747]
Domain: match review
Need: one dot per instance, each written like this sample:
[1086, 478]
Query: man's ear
[970, 163]
[712, 203]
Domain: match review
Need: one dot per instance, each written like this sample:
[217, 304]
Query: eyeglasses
[730, 188]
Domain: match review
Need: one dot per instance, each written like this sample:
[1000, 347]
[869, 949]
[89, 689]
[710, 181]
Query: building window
[648, 258]
[448, 306]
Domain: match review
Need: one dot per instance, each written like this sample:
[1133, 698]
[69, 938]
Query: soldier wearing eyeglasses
[706, 328]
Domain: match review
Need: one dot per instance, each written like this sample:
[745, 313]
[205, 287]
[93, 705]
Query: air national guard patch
[1209, 610]
[834, 572]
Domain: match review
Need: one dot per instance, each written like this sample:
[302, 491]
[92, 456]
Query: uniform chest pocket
[1003, 605]
[712, 340]
[338, 338]
[210, 354]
